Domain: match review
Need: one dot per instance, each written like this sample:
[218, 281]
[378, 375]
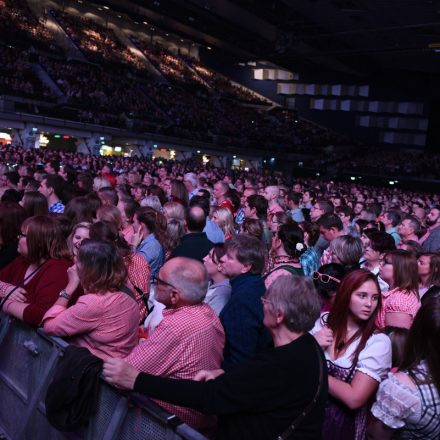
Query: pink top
[187, 340]
[397, 301]
[106, 324]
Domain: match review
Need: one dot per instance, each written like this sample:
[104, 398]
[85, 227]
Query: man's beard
[430, 222]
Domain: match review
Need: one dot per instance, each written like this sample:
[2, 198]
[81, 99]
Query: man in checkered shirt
[52, 187]
[189, 338]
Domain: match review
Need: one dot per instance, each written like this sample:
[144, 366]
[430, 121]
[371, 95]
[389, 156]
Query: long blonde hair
[225, 220]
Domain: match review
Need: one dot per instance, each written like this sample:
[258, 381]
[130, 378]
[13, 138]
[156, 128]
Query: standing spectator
[52, 188]
[220, 193]
[271, 194]
[39, 273]
[401, 302]
[242, 317]
[358, 358]
[408, 402]
[390, 220]
[293, 201]
[330, 227]
[191, 184]
[409, 228]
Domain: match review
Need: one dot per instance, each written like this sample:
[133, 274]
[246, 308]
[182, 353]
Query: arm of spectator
[15, 308]
[398, 319]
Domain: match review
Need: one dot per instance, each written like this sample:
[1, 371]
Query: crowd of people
[286, 308]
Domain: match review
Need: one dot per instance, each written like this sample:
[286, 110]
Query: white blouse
[374, 359]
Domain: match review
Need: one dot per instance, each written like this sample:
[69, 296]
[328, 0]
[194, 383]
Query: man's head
[181, 281]
[52, 167]
[243, 254]
[195, 219]
[246, 193]
[390, 219]
[202, 202]
[409, 226]
[256, 207]
[297, 187]
[220, 191]
[10, 179]
[271, 193]
[108, 196]
[293, 200]
[52, 187]
[190, 181]
[320, 208]
[433, 217]
[330, 226]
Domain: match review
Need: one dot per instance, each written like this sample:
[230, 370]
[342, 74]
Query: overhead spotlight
[119, 16]
[106, 7]
[208, 47]
[144, 22]
[99, 9]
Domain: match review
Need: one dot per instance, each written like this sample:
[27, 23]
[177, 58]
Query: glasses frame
[320, 276]
[21, 235]
[157, 281]
[264, 300]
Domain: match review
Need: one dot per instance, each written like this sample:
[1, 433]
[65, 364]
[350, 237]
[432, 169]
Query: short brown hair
[249, 250]
[101, 267]
[405, 273]
[44, 239]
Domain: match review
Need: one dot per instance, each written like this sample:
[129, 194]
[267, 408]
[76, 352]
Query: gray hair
[191, 278]
[152, 202]
[191, 177]
[348, 249]
[297, 299]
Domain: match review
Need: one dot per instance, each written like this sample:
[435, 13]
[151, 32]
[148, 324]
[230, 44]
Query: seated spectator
[108, 196]
[40, 272]
[52, 188]
[110, 214]
[255, 208]
[220, 193]
[242, 317]
[346, 250]
[195, 243]
[189, 338]
[428, 266]
[330, 227]
[400, 303]
[144, 241]
[191, 184]
[408, 401]
[358, 358]
[391, 219]
[287, 247]
[250, 403]
[105, 318]
[12, 216]
[127, 207]
[271, 194]
[78, 211]
[252, 227]
[212, 230]
[174, 210]
[408, 228]
[327, 279]
[178, 193]
[174, 233]
[277, 220]
[219, 288]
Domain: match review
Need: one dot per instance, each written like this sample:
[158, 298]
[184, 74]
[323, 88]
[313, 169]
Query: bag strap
[21, 284]
[290, 269]
[294, 425]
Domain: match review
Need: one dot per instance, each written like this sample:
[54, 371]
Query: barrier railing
[27, 362]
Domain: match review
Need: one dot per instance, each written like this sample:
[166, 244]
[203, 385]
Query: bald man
[189, 338]
[271, 194]
[195, 244]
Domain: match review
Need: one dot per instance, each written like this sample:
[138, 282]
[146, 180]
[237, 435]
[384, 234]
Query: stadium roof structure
[355, 37]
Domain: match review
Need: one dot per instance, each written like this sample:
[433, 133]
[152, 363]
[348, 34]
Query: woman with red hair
[358, 357]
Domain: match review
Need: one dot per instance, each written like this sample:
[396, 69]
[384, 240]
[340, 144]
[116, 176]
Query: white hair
[191, 177]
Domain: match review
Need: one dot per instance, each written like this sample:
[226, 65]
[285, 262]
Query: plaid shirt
[57, 207]
[187, 340]
[310, 261]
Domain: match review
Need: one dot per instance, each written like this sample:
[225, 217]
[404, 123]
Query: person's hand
[137, 237]
[324, 337]
[19, 294]
[205, 375]
[72, 274]
[119, 373]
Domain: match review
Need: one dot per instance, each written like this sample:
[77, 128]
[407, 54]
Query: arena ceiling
[358, 37]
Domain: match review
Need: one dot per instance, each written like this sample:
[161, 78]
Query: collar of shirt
[221, 283]
[149, 238]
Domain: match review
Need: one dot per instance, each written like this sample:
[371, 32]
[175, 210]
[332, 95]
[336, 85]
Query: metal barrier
[27, 361]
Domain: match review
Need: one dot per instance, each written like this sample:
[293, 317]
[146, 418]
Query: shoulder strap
[289, 431]
[290, 269]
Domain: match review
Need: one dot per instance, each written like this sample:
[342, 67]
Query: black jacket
[72, 395]
[193, 245]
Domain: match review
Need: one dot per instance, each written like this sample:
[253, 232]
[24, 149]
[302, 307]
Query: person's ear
[246, 268]
[174, 296]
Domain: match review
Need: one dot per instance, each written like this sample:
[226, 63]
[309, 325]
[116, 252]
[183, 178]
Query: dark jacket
[73, 393]
[242, 319]
[259, 399]
[193, 245]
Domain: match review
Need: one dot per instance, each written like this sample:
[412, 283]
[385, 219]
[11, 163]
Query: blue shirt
[394, 234]
[297, 215]
[57, 207]
[213, 232]
[309, 261]
[242, 319]
[193, 193]
[153, 253]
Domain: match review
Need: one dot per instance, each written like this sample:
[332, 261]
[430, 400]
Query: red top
[43, 288]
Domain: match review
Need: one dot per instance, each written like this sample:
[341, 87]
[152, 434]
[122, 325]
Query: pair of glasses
[157, 281]
[264, 300]
[324, 278]
[21, 235]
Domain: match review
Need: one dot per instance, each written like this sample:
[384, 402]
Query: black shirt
[193, 245]
[258, 399]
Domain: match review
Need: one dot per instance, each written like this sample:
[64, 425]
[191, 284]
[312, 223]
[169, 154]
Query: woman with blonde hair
[174, 210]
[223, 218]
[79, 233]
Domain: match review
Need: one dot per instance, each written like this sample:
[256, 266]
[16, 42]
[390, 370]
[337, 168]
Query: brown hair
[252, 227]
[110, 214]
[249, 250]
[11, 218]
[405, 273]
[434, 268]
[35, 203]
[44, 239]
[155, 222]
[101, 268]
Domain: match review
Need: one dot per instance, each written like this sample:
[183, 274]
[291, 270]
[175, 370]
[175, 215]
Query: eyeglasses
[157, 281]
[21, 235]
[324, 278]
[385, 261]
[264, 300]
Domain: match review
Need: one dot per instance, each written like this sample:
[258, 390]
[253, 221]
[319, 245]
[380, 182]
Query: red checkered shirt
[187, 340]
